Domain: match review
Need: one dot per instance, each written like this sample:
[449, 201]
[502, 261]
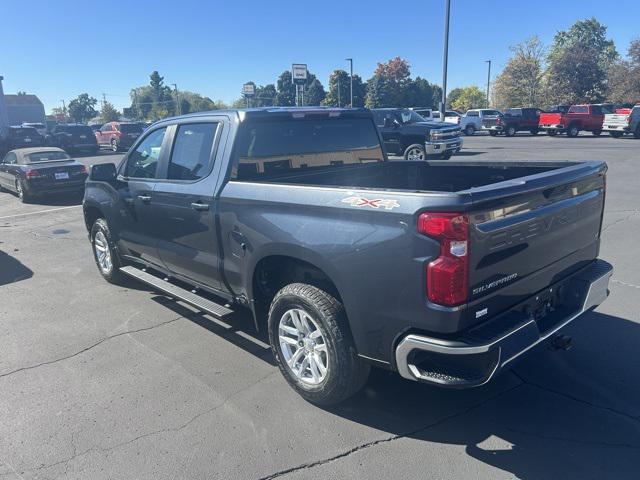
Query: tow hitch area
[561, 342]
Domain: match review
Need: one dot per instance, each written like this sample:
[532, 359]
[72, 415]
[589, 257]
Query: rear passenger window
[143, 161]
[191, 155]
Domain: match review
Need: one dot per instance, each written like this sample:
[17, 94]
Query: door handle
[200, 206]
[144, 198]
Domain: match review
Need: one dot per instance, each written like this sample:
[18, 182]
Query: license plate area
[62, 175]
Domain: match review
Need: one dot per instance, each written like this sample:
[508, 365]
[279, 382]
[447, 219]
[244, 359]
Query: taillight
[32, 174]
[498, 121]
[628, 119]
[447, 275]
[83, 170]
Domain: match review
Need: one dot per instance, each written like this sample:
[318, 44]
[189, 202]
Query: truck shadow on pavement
[12, 270]
[555, 415]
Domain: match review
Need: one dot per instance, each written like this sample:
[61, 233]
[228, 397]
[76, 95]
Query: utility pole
[64, 110]
[350, 60]
[104, 99]
[178, 109]
[488, 80]
[338, 91]
[135, 104]
[445, 60]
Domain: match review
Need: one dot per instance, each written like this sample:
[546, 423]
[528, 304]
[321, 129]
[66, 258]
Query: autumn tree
[520, 83]
[624, 77]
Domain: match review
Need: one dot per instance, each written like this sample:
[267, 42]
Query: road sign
[299, 72]
[248, 89]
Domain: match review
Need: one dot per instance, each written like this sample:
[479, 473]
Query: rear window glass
[75, 129]
[514, 112]
[491, 112]
[47, 156]
[579, 109]
[23, 132]
[265, 151]
[130, 128]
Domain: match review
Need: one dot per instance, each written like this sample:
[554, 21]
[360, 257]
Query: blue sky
[60, 49]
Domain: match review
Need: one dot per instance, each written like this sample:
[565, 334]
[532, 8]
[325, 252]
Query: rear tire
[23, 195]
[616, 134]
[493, 133]
[510, 131]
[596, 133]
[469, 130]
[534, 131]
[552, 133]
[573, 131]
[105, 253]
[314, 353]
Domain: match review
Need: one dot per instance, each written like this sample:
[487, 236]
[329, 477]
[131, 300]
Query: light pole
[178, 109]
[64, 110]
[445, 55]
[488, 79]
[350, 60]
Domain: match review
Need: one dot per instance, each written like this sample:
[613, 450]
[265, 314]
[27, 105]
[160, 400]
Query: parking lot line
[39, 212]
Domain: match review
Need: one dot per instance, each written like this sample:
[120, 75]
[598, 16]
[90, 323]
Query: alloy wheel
[303, 346]
[415, 154]
[103, 254]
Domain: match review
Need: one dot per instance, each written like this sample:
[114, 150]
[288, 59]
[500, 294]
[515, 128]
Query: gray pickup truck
[443, 272]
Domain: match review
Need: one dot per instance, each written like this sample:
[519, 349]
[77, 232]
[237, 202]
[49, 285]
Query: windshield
[409, 116]
[51, 156]
[130, 128]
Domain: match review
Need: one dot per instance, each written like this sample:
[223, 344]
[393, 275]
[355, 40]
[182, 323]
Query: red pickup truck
[579, 117]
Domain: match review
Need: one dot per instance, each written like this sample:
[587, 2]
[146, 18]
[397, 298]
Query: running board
[179, 293]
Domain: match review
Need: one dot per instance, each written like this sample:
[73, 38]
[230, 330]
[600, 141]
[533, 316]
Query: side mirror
[104, 172]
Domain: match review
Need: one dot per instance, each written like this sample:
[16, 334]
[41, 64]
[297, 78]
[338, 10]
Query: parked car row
[72, 138]
[560, 119]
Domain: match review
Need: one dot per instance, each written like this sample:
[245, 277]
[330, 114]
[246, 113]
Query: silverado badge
[385, 203]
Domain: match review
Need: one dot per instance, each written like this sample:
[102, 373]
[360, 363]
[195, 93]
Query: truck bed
[417, 177]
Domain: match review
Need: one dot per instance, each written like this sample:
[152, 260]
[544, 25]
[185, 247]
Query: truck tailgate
[550, 119]
[524, 242]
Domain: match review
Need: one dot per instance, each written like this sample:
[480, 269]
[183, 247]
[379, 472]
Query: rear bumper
[616, 128]
[482, 352]
[557, 126]
[492, 128]
[437, 147]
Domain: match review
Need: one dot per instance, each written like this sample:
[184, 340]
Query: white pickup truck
[621, 122]
[472, 121]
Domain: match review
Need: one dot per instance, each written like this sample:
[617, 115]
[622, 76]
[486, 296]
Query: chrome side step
[179, 293]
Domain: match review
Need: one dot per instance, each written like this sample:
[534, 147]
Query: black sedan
[31, 172]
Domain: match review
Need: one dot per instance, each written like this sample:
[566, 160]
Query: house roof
[20, 100]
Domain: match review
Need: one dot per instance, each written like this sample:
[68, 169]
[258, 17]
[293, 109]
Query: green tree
[265, 95]
[378, 92]
[453, 96]
[421, 93]
[520, 82]
[469, 98]
[82, 108]
[578, 63]
[397, 76]
[338, 95]
[108, 113]
[286, 90]
[314, 94]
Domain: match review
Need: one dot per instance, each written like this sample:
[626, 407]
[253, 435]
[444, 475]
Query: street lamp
[445, 59]
[175, 88]
[488, 79]
[350, 60]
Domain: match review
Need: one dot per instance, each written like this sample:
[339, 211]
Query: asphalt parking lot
[103, 381]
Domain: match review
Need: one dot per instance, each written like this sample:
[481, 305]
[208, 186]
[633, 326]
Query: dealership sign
[299, 72]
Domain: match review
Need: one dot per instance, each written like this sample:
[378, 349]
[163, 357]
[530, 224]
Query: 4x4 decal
[386, 203]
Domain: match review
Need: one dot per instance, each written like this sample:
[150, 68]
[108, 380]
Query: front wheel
[552, 133]
[114, 145]
[469, 130]
[493, 133]
[510, 131]
[104, 252]
[616, 134]
[312, 345]
[596, 133]
[415, 152]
